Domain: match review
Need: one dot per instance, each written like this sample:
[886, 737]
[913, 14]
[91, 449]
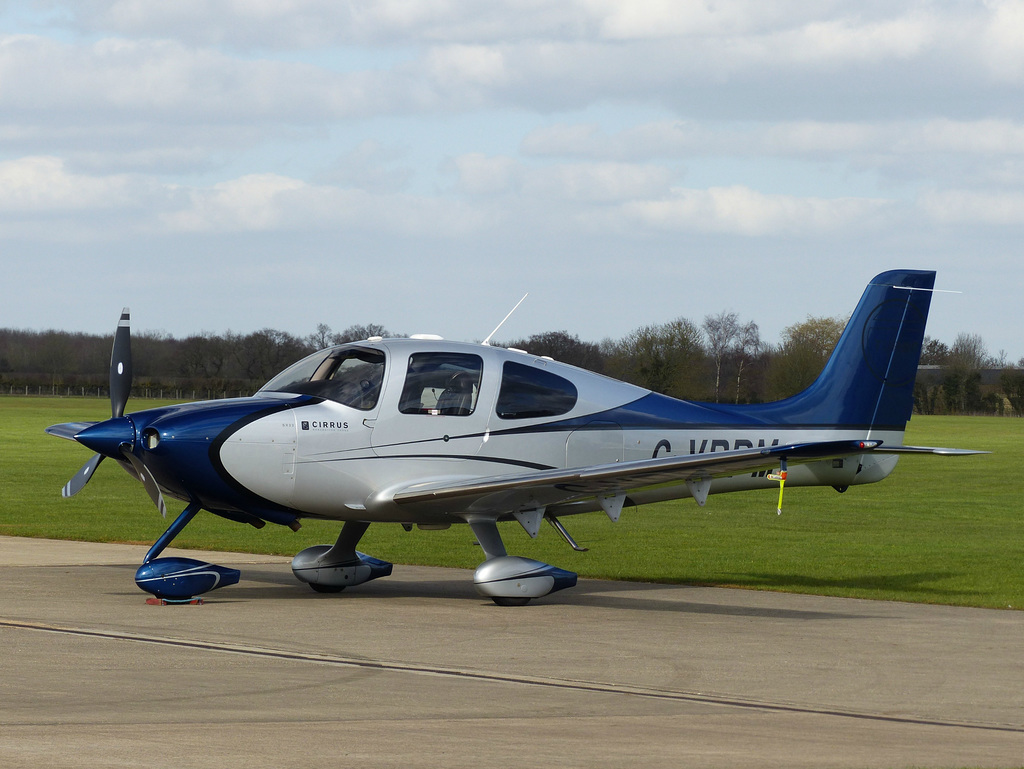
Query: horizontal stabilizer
[928, 450]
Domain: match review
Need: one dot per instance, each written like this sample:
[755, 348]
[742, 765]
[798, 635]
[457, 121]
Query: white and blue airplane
[430, 433]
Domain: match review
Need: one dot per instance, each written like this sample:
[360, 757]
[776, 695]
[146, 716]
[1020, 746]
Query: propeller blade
[147, 480]
[82, 477]
[121, 365]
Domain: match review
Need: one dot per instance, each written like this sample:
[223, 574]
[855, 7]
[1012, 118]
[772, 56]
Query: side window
[532, 392]
[441, 383]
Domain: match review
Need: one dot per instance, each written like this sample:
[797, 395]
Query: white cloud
[732, 58]
[573, 195]
[35, 191]
[976, 151]
[479, 174]
[370, 166]
[597, 182]
[42, 186]
[644, 19]
[118, 80]
[1003, 39]
[311, 24]
[467, 65]
[741, 210]
[254, 202]
[974, 207]
[940, 135]
[270, 202]
[569, 182]
[849, 40]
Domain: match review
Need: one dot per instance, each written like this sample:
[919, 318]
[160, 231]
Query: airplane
[431, 433]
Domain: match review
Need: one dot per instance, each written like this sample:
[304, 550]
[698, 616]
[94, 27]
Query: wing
[548, 487]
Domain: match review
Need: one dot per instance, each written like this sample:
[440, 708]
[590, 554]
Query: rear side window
[532, 392]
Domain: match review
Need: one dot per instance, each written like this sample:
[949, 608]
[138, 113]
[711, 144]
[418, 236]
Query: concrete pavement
[416, 670]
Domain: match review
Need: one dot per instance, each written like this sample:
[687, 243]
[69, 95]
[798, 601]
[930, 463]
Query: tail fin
[868, 381]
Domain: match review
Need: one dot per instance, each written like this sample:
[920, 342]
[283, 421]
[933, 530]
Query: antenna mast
[490, 336]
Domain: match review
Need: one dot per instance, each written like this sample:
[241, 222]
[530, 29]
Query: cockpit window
[352, 376]
[445, 383]
[533, 392]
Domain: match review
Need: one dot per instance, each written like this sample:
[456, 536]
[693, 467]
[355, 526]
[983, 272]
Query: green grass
[940, 529]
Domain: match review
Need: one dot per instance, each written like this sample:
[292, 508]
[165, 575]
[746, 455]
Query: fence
[180, 394]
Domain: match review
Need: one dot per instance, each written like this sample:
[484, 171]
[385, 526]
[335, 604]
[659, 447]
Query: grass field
[941, 530]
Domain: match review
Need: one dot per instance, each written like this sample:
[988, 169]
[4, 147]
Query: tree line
[722, 359]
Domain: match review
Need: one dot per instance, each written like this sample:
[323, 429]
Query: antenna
[490, 336]
[929, 290]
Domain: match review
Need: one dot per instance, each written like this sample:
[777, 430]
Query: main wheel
[326, 588]
[504, 601]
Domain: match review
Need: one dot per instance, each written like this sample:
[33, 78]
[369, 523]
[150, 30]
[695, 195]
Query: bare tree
[263, 353]
[747, 347]
[968, 351]
[563, 347]
[320, 338]
[358, 333]
[720, 331]
[55, 350]
[203, 356]
[729, 341]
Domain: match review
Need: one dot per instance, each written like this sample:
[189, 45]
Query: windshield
[351, 376]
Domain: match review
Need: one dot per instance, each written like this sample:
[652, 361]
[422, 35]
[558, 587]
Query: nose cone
[107, 437]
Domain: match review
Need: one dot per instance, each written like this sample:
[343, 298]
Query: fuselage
[331, 436]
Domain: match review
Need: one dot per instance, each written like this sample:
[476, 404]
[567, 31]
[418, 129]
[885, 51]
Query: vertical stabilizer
[868, 381]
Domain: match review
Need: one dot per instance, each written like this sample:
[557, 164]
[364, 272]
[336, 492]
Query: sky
[236, 165]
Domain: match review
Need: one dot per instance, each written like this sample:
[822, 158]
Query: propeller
[115, 437]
